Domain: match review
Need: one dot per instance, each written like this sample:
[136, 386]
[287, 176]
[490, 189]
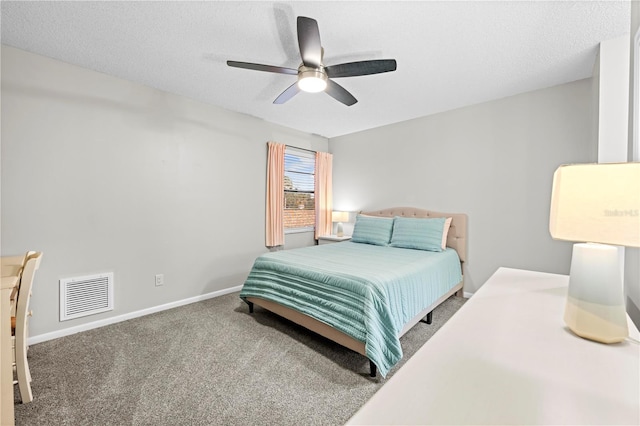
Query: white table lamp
[340, 217]
[597, 205]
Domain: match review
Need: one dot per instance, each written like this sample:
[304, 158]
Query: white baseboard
[467, 294]
[108, 321]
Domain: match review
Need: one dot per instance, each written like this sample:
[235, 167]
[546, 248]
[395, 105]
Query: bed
[364, 295]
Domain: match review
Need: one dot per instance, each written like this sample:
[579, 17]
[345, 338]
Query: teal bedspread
[368, 292]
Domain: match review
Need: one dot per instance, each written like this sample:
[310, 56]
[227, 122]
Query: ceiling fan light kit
[312, 80]
[313, 76]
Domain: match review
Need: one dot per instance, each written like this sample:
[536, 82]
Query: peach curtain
[324, 193]
[275, 195]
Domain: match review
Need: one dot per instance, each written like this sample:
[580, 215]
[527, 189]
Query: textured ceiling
[449, 54]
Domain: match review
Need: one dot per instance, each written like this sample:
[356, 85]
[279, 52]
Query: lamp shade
[597, 203]
[340, 217]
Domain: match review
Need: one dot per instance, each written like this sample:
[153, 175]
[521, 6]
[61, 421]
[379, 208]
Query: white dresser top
[506, 357]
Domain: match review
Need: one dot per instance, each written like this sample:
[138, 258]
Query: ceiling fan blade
[309, 42]
[353, 69]
[289, 93]
[339, 93]
[261, 67]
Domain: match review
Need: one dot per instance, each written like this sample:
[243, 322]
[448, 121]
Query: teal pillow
[420, 234]
[372, 230]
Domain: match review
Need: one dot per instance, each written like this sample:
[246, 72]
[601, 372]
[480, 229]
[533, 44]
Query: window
[299, 190]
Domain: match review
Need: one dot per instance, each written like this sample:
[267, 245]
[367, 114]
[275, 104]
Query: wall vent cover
[88, 295]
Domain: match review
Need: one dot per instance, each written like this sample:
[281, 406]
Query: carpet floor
[207, 363]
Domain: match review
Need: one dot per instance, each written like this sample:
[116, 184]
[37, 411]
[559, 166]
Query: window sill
[298, 230]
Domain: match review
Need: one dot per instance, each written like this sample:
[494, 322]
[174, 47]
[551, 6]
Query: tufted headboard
[457, 237]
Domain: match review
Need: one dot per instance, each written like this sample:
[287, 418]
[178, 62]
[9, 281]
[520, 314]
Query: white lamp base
[339, 230]
[595, 304]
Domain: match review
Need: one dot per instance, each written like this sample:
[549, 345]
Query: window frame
[291, 150]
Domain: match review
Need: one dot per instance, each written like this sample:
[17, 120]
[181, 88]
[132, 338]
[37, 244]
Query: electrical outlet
[159, 279]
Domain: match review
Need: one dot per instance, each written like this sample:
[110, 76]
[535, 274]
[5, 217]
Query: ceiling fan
[313, 75]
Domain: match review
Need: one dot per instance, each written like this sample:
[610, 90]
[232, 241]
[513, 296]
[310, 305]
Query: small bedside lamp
[340, 217]
[598, 204]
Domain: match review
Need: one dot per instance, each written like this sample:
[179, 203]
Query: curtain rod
[301, 149]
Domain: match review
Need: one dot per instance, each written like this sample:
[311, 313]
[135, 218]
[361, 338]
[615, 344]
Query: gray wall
[102, 174]
[493, 161]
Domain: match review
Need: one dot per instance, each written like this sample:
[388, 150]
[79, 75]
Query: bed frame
[456, 239]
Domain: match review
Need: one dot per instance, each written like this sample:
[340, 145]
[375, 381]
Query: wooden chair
[19, 324]
[14, 265]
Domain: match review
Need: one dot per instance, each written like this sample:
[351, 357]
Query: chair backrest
[24, 261]
[24, 292]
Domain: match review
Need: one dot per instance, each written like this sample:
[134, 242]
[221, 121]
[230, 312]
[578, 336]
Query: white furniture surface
[329, 239]
[506, 357]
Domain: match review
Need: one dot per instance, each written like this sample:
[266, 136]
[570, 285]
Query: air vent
[88, 295]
